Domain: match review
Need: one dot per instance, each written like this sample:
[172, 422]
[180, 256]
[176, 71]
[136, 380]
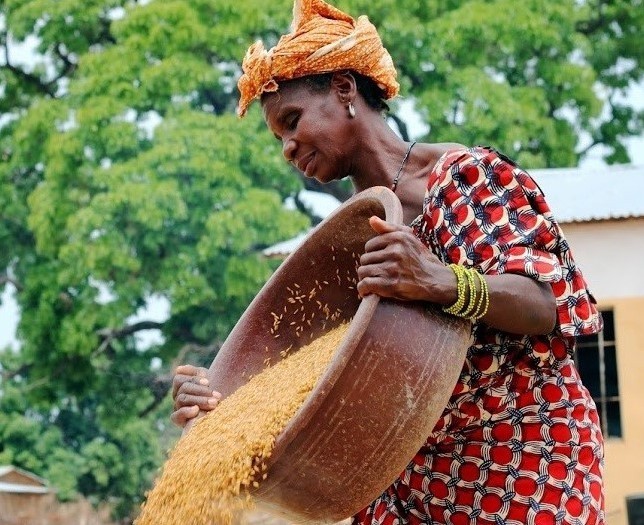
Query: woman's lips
[304, 162]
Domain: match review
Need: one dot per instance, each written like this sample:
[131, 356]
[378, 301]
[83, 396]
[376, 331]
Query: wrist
[447, 287]
[473, 296]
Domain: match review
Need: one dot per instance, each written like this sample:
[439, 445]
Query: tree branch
[159, 386]
[4, 279]
[69, 66]
[589, 147]
[110, 334]
[117, 333]
[10, 374]
[402, 126]
[23, 75]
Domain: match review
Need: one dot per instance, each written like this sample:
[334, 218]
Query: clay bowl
[384, 389]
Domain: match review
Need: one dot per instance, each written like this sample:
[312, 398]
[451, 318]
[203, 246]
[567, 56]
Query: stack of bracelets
[473, 301]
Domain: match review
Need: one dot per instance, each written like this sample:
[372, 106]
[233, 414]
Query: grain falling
[206, 478]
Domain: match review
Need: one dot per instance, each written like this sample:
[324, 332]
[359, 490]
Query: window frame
[603, 399]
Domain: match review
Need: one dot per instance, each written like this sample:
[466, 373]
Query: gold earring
[352, 110]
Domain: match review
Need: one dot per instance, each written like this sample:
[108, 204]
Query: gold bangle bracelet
[461, 284]
[484, 300]
[473, 298]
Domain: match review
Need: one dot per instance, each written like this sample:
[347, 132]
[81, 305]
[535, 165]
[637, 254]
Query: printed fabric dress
[519, 442]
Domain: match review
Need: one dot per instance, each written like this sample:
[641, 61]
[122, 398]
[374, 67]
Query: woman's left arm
[520, 305]
[397, 265]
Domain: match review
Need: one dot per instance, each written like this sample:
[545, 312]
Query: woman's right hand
[192, 394]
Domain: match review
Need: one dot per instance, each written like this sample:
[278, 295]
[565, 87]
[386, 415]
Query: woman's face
[314, 129]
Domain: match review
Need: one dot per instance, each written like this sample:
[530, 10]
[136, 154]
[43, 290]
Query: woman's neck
[379, 155]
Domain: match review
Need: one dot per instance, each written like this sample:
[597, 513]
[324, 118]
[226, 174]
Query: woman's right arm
[192, 394]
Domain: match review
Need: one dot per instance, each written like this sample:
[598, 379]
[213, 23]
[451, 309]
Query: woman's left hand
[398, 265]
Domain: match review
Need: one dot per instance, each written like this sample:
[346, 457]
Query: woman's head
[320, 135]
[310, 117]
[324, 40]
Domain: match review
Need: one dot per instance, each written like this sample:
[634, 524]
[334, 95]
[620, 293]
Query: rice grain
[206, 478]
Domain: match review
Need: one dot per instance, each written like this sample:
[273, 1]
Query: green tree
[126, 178]
[523, 76]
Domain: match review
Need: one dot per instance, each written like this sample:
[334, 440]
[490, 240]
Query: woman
[519, 441]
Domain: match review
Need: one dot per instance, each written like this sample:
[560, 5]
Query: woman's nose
[288, 149]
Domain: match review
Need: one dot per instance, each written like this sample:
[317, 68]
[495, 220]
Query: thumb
[380, 226]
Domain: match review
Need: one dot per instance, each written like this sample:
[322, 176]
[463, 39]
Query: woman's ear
[344, 84]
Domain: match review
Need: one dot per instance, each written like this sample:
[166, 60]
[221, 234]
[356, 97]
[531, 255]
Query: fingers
[204, 400]
[188, 373]
[387, 254]
[191, 400]
[388, 234]
[200, 394]
[376, 285]
[392, 263]
[192, 394]
[183, 415]
[377, 264]
[190, 370]
[380, 226]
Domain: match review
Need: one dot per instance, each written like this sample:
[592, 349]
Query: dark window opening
[596, 360]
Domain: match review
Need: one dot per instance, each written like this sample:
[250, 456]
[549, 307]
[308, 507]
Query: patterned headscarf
[323, 39]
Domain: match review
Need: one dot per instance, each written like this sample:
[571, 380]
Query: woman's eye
[292, 121]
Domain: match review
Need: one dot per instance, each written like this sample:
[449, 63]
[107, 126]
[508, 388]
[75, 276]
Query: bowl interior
[313, 291]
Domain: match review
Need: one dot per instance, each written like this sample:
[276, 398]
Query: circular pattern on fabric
[519, 441]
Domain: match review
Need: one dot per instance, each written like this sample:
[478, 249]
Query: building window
[596, 360]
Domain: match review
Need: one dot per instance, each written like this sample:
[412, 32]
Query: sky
[158, 309]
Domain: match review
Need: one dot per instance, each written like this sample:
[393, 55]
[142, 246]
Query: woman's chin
[325, 177]
[323, 180]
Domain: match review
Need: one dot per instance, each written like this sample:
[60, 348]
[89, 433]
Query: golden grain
[206, 478]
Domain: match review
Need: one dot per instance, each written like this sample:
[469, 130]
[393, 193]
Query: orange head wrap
[323, 40]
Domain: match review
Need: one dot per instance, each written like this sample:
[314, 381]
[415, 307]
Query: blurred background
[138, 215]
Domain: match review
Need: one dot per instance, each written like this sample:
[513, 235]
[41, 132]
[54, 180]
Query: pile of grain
[206, 477]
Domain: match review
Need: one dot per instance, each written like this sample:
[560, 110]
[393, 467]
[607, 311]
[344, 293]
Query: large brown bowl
[384, 389]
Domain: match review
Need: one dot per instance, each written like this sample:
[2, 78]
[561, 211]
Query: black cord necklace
[394, 184]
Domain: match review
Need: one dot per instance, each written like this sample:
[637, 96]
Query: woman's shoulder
[451, 163]
[453, 153]
[434, 153]
[456, 158]
[436, 150]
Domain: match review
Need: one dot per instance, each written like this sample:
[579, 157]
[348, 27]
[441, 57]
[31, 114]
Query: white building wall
[610, 255]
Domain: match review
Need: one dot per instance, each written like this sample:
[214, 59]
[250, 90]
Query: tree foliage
[125, 178]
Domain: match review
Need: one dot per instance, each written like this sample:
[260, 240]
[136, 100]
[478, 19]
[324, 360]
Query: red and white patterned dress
[519, 442]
